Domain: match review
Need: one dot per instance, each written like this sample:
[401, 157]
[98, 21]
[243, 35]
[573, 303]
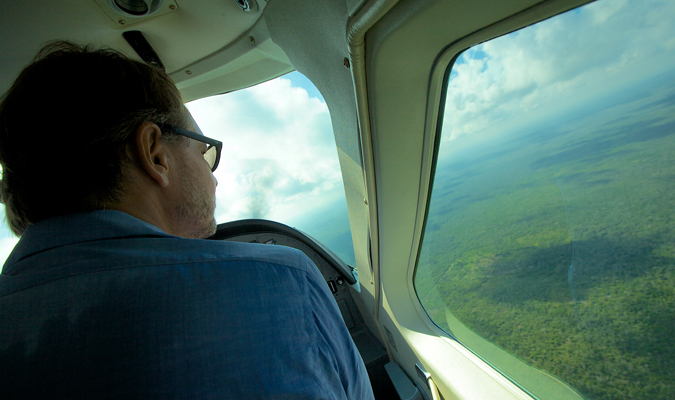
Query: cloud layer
[279, 158]
[585, 51]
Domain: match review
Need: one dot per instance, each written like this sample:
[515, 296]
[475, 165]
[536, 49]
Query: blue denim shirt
[103, 305]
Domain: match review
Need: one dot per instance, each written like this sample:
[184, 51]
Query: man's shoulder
[203, 250]
[150, 254]
[112, 238]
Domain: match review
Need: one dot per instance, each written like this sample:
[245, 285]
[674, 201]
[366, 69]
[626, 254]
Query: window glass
[279, 159]
[549, 247]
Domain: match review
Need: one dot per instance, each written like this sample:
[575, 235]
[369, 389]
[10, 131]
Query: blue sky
[300, 81]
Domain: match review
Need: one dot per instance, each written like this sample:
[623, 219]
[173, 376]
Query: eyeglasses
[212, 155]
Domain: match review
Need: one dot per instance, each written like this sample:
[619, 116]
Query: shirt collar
[80, 227]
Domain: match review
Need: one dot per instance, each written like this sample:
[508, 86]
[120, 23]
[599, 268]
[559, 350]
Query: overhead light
[135, 8]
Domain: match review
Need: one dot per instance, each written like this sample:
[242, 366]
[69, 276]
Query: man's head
[72, 131]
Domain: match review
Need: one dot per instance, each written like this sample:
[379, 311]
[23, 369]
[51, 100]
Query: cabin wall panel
[313, 36]
[401, 51]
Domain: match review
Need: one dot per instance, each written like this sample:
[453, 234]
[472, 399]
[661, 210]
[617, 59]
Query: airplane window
[279, 159]
[549, 247]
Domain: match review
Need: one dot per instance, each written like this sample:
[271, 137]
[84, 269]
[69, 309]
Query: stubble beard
[197, 210]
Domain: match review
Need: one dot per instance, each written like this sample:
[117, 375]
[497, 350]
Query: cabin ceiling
[207, 46]
[192, 31]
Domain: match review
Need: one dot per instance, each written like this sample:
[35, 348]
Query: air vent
[247, 5]
[126, 12]
[135, 8]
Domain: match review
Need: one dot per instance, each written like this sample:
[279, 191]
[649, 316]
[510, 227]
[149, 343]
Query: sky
[279, 159]
[585, 53]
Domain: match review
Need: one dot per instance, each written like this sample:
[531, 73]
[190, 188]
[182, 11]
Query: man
[110, 293]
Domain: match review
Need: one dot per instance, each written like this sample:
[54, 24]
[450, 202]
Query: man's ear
[153, 154]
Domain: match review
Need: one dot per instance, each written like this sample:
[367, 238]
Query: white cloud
[279, 157]
[585, 52]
